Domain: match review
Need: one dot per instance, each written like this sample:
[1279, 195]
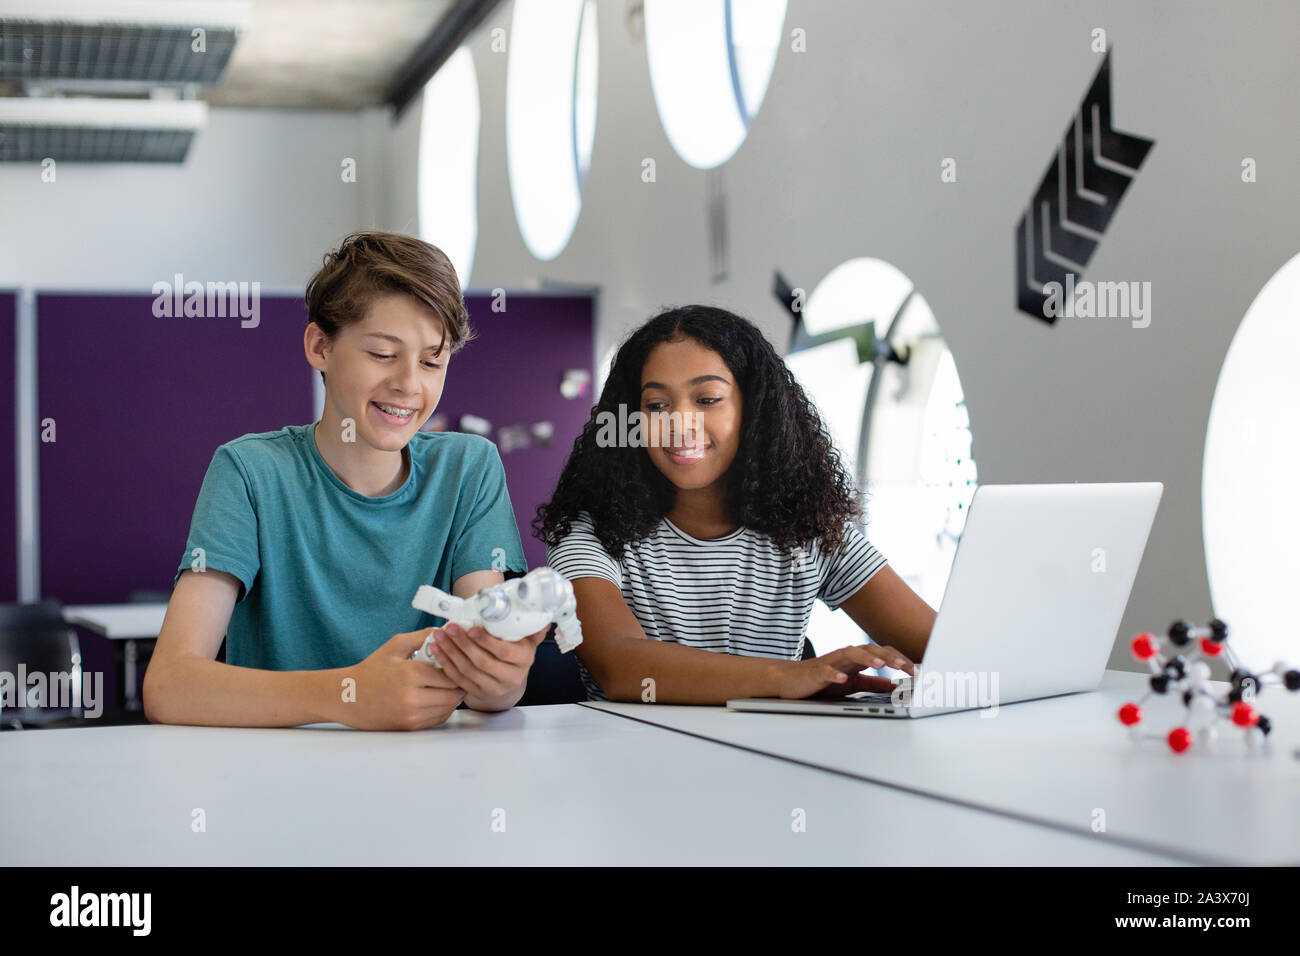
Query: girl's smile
[687, 454]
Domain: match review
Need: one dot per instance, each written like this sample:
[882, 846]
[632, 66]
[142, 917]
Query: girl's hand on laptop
[837, 673]
[490, 671]
[393, 692]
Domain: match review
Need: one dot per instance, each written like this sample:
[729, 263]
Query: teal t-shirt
[328, 574]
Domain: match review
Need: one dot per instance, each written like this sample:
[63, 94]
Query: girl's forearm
[644, 670]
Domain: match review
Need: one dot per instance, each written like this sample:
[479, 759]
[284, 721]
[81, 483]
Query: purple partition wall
[510, 374]
[139, 404]
[8, 461]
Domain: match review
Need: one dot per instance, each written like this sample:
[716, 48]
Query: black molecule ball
[1178, 632]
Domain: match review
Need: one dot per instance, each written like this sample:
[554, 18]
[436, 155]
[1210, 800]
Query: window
[447, 184]
[710, 62]
[550, 117]
[1252, 459]
[902, 429]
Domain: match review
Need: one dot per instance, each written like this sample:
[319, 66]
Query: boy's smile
[392, 413]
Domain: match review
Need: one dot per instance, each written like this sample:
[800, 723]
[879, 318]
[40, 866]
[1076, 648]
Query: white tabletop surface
[576, 785]
[118, 621]
[1056, 761]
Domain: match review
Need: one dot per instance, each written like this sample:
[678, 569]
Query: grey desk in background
[128, 623]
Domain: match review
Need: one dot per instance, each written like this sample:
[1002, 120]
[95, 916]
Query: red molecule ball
[1180, 738]
[1209, 648]
[1130, 714]
[1243, 715]
[1144, 647]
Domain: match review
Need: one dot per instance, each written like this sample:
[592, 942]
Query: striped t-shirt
[738, 594]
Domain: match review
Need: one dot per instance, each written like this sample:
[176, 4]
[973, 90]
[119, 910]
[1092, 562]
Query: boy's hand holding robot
[510, 611]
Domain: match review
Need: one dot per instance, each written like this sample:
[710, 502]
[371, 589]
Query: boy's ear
[314, 342]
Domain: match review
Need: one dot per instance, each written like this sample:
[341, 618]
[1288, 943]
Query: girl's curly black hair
[787, 480]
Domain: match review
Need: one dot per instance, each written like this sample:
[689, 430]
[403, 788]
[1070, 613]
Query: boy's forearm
[684, 675]
[208, 693]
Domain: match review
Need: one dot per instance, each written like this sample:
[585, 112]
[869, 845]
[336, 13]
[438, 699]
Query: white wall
[259, 198]
[844, 159]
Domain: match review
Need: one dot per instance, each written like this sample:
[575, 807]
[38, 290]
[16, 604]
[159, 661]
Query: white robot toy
[511, 610]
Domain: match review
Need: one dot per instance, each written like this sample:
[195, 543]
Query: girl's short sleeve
[581, 555]
[846, 570]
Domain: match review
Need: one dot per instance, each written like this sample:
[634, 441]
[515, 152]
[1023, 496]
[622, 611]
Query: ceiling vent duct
[118, 41]
[96, 130]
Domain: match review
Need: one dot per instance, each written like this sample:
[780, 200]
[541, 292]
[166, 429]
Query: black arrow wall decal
[1078, 195]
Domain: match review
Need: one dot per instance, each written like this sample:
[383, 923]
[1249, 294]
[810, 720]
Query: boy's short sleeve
[581, 555]
[490, 539]
[848, 568]
[223, 530]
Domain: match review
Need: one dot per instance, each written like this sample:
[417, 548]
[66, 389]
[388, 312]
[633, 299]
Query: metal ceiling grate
[32, 50]
[89, 144]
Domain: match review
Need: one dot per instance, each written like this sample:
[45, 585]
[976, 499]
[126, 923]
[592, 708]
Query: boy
[307, 544]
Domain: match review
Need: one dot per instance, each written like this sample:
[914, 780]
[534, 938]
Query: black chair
[36, 638]
[808, 652]
[554, 677]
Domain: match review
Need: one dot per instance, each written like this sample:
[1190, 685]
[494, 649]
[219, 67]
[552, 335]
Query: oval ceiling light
[1248, 481]
[550, 117]
[447, 176]
[710, 62]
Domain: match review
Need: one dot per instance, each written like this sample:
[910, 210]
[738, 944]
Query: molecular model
[1177, 665]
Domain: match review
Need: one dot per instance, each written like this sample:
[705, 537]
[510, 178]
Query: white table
[121, 622]
[1053, 762]
[577, 786]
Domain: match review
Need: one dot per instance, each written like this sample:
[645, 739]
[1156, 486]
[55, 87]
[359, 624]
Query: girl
[714, 540]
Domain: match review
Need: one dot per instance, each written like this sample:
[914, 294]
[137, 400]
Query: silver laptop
[1038, 586]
